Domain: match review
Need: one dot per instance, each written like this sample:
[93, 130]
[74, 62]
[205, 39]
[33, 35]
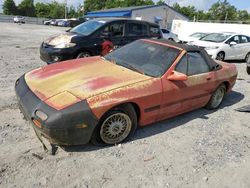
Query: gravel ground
[198, 149]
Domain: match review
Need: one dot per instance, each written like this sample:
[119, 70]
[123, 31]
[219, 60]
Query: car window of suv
[136, 29]
[154, 31]
[114, 30]
[165, 31]
[182, 65]
[196, 64]
[244, 39]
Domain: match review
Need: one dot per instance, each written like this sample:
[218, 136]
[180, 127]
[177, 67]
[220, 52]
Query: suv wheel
[83, 54]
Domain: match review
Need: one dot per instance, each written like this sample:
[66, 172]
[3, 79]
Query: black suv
[96, 37]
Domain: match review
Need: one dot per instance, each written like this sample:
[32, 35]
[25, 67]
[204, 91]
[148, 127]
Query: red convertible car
[104, 99]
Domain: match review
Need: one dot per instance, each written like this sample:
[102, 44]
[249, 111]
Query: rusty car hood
[60, 39]
[82, 78]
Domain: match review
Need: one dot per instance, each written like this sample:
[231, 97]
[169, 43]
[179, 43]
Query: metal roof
[127, 10]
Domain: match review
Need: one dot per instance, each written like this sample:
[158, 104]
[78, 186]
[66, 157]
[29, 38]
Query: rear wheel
[83, 54]
[220, 56]
[216, 97]
[248, 70]
[247, 57]
[116, 126]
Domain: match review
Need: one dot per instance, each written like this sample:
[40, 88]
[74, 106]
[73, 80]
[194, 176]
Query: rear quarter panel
[227, 74]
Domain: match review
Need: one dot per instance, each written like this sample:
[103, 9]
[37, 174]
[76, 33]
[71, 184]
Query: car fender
[145, 94]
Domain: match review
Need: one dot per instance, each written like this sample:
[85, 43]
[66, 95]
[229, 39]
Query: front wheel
[248, 70]
[83, 54]
[247, 57]
[220, 56]
[216, 97]
[116, 126]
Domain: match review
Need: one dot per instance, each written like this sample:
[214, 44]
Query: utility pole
[226, 17]
[65, 9]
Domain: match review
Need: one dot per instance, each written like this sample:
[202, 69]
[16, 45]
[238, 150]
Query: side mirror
[177, 76]
[232, 43]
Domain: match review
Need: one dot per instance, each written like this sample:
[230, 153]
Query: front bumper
[50, 54]
[73, 125]
[212, 53]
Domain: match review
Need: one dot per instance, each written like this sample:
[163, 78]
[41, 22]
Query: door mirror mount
[177, 76]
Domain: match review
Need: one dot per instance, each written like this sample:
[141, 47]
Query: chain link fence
[29, 20]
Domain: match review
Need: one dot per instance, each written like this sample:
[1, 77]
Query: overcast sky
[199, 4]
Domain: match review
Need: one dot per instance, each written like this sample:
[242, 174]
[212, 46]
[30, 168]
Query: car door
[244, 46]
[109, 38]
[134, 31]
[182, 96]
[232, 51]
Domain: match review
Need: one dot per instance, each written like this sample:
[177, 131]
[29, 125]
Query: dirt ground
[198, 149]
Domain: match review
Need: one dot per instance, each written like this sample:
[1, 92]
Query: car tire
[220, 56]
[248, 70]
[171, 39]
[247, 57]
[216, 98]
[83, 55]
[116, 126]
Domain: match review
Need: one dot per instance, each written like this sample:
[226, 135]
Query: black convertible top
[191, 48]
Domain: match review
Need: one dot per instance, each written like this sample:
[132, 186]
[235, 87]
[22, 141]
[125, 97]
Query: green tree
[57, 10]
[9, 7]
[42, 10]
[72, 12]
[160, 2]
[223, 11]
[189, 11]
[26, 8]
[242, 15]
[92, 5]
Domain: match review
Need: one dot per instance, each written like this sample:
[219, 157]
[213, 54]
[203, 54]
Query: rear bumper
[71, 126]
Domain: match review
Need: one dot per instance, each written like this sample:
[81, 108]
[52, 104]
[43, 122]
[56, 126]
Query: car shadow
[235, 61]
[231, 98]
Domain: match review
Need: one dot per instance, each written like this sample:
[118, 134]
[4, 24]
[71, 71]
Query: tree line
[221, 10]
[45, 10]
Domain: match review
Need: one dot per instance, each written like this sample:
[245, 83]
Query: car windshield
[215, 37]
[88, 27]
[198, 35]
[144, 57]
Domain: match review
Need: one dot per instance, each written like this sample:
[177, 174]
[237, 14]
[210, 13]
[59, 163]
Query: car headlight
[65, 45]
[211, 47]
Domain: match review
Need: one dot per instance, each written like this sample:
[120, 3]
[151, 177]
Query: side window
[244, 39]
[154, 31]
[182, 65]
[114, 30]
[136, 29]
[164, 31]
[235, 38]
[196, 64]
